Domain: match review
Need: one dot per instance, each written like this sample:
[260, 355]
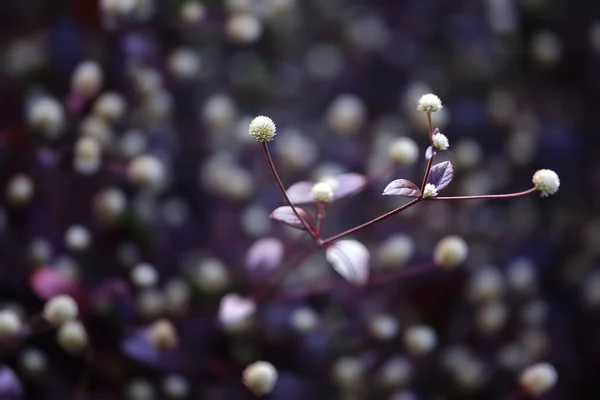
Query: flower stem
[488, 196]
[308, 228]
[371, 222]
[430, 162]
[320, 217]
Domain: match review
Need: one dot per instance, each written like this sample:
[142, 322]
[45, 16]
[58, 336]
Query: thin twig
[430, 162]
[487, 196]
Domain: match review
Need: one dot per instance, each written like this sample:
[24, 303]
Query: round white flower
[72, 337]
[430, 191]
[19, 189]
[322, 192]
[404, 151]
[260, 377]
[144, 275]
[162, 335]
[147, 170]
[262, 129]
[192, 12]
[46, 115]
[420, 339]
[440, 141]
[10, 324]
[33, 362]
[546, 182]
[450, 252]
[429, 103]
[60, 309]
[176, 387]
[304, 320]
[244, 28]
[77, 238]
[538, 378]
[87, 78]
[111, 106]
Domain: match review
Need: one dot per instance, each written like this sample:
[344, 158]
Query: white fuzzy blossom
[450, 252]
[260, 377]
[262, 129]
[10, 324]
[440, 141]
[60, 309]
[244, 28]
[322, 192]
[430, 191]
[420, 339]
[87, 78]
[147, 170]
[404, 151]
[72, 337]
[144, 275]
[538, 378]
[77, 238]
[162, 335]
[19, 189]
[429, 103]
[546, 182]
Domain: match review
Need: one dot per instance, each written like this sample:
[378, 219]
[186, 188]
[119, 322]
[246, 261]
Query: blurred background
[129, 181]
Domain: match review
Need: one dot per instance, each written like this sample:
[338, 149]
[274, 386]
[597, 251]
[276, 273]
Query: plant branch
[308, 228]
[320, 217]
[371, 222]
[488, 196]
[430, 162]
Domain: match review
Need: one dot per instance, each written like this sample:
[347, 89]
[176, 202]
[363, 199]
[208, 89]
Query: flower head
[404, 151]
[538, 378]
[546, 182]
[262, 129]
[60, 309]
[430, 191]
[260, 377]
[429, 103]
[451, 251]
[322, 192]
[440, 141]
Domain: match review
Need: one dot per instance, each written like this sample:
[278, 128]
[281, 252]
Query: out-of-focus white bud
[404, 151]
[87, 78]
[512, 357]
[487, 284]
[255, 221]
[77, 238]
[177, 296]
[324, 60]
[150, 303]
[546, 48]
[10, 324]
[72, 337]
[383, 327]
[538, 378]
[239, 6]
[535, 312]
[262, 129]
[467, 154]
[450, 252]
[117, 8]
[430, 191]
[322, 192]
[429, 103]
[192, 12]
[19, 189]
[60, 309]
[147, 171]
[395, 251]
[304, 320]
[132, 143]
[40, 251]
[110, 106]
[162, 335]
[96, 128]
[144, 275]
[491, 317]
[296, 150]
[546, 182]
[420, 339]
[184, 63]
[346, 114]
[87, 149]
[395, 372]
[235, 311]
[349, 372]
[47, 116]
[140, 389]
[219, 111]
[243, 28]
[109, 204]
[176, 387]
[33, 362]
[210, 276]
[260, 377]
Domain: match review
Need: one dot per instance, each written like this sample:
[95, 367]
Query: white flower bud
[346, 114]
[349, 372]
[177, 296]
[521, 275]
[430, 191]
[87, 78]
[150, 303]
[109, 204]
[162, 335]
[60, 309]
[47, 116]
[192, 12]
[491, 317]
[77, 238]
[546, 182]
[19, 189]
[132, 143]
[404, 151]
[235, 312]
[96, 128]
[176, 387]
[87, 148]
[304, 320]
[538, 378]
[450, 252]
[219, 111]
[244, 28]
[384, 327]
[110, 106]
[487, 284]
[262, 129]
[260, 377]
[429, 103]
[210, 276]
[184, 63]
[144, 275]
[72, 337]
[140, 389]
[147, 171]
[239, 6]
[440, 141]
[420, 339]
[395, 372]
[395, 251]
[10, 324]
[117, 7]
[322, 192]
[33, 362]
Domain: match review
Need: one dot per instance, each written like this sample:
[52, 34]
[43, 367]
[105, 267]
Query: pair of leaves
[440, 176]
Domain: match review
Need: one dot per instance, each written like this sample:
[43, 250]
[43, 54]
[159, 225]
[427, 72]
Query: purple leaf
[350, 259]
[299, 193]
[138, 347]
[430, 153]
[402, 187]
[441, 175]
[286, 215]
[10, 386]
[48, 282]
[265, 254]
[347, 185]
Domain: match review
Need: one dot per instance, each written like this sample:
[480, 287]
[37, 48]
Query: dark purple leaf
[430, 153]
[402, 187]
[299, 193]
[441, 175]
[48, 282]
[350, 259]
[137, 347]
[10, 386]
[286, 215]
[348, 184]
[265, 254]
